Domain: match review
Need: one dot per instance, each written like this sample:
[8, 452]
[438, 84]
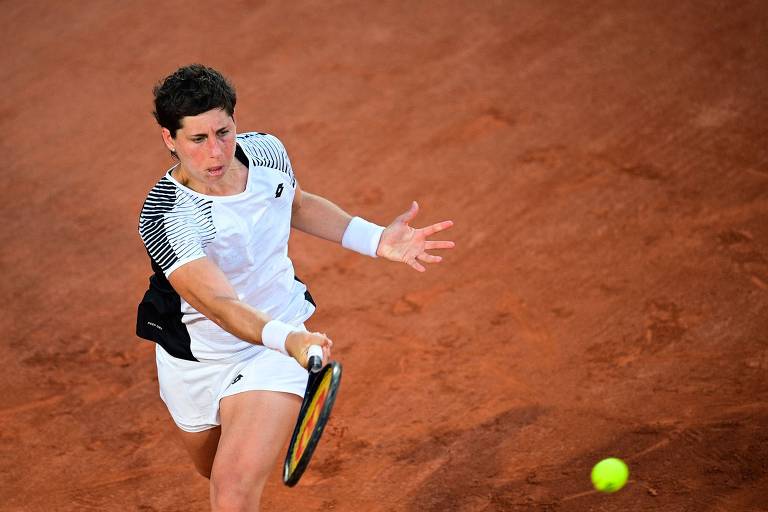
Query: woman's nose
[215, 148]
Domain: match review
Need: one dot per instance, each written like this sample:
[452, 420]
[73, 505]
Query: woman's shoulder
[168, 195]
[172, 218]
[264, 149]
[259, 139]
[255, 135]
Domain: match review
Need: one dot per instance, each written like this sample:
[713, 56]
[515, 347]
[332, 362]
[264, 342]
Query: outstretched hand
[401, 242]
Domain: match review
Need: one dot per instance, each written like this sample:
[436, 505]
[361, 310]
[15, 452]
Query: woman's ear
[170, 143]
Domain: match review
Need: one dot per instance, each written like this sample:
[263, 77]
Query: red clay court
[607, 169]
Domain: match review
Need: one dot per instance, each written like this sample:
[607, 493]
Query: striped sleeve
[175, 226]
[266, 150]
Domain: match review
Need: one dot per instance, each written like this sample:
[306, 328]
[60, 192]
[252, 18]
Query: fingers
[417, 266]
[425, 258]
[315, 338]
[326, 354]
[326, 345]
[438, 244]
[429, 258]
[321, 338]
[410, 214]
[415, 241]
[434, 228]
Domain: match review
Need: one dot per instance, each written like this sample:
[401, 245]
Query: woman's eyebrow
[205, 134]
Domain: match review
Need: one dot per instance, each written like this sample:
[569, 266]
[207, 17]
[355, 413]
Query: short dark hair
[189, 91]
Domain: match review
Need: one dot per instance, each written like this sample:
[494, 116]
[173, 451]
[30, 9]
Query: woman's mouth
[216, 171]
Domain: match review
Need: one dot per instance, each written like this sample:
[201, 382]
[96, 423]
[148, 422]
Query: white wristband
[274, 334]
[362, 236]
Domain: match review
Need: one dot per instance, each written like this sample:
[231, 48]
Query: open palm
[401, 242]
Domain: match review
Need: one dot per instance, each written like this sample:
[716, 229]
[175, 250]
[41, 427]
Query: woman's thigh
[255, 427]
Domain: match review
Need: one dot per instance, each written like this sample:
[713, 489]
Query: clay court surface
[606, 166]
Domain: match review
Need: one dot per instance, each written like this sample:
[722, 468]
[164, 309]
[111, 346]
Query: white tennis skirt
[191, 390]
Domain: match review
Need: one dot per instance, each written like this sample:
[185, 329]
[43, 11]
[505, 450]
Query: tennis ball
[610, 475]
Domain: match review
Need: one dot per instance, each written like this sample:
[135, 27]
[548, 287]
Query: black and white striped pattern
[175, 225]
[267, 151]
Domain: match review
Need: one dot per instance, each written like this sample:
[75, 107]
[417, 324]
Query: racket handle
[315, 358]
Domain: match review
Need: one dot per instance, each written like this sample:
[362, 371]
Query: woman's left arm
[399, 241]
[318, 216]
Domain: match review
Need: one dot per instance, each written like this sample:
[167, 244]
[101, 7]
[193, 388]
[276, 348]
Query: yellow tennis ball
[610, 475]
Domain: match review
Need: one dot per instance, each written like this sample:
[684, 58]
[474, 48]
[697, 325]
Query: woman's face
[205, 145]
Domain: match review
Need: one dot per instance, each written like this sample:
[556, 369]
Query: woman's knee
[231, 492]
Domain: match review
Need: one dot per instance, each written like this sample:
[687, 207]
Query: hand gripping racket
[319, 396]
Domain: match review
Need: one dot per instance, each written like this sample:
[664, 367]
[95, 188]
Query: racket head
[315, 412]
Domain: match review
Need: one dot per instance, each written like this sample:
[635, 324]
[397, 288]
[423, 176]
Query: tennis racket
[321, 392]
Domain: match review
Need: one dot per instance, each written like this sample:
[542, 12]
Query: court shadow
[713, 465]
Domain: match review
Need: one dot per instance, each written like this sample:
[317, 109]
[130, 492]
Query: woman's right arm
[205, 287]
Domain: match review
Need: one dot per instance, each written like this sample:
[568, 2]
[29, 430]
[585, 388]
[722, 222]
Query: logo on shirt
[239, 376]
[279, 190]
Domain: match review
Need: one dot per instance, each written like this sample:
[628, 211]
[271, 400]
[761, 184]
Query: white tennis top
[245, 234]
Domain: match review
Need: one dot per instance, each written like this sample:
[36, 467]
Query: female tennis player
[223, 305]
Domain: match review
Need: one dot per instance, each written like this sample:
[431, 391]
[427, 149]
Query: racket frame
[315, 379]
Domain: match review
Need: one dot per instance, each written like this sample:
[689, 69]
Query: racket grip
[315, 358]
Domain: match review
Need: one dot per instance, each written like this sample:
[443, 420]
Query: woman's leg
[201, 447]
[255, 426]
